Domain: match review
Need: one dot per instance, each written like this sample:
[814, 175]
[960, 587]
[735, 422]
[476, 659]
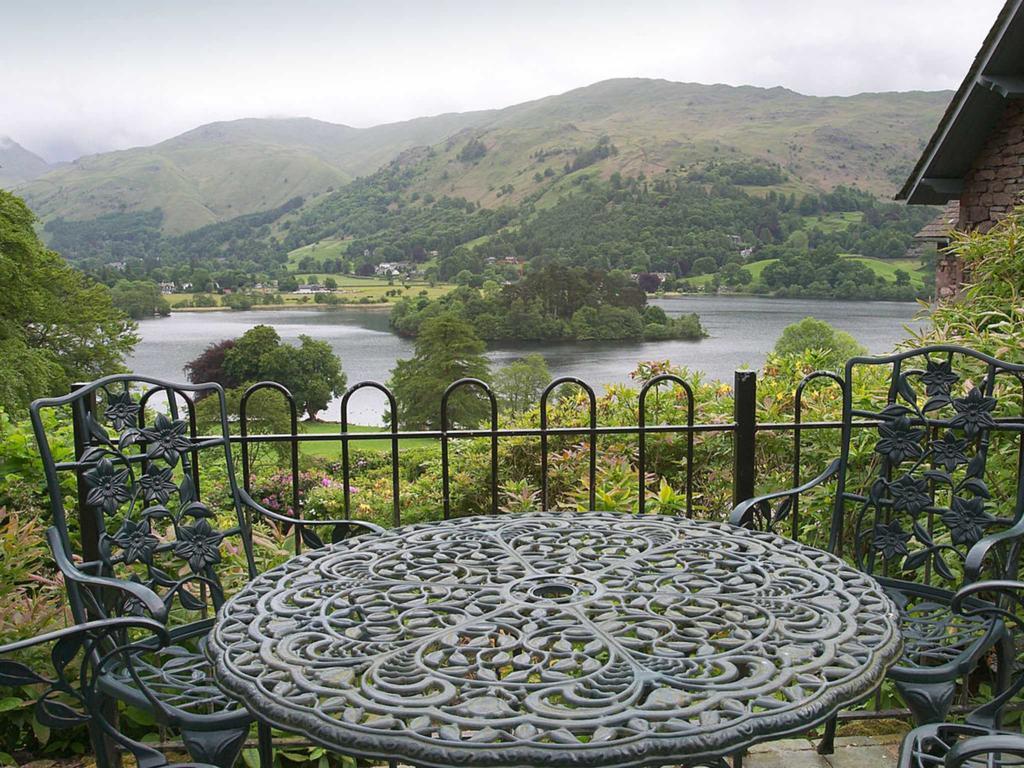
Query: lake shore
[742, 330]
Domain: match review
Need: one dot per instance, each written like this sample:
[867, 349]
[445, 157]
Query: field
[833, 222]
[884, 267]
[325, 249]
[331, 449]
[352, 289]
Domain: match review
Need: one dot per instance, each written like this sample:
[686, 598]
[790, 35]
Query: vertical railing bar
[193, 433]
[744, 437]
[591, 432]
[690, 406]
[544, 448]
[797, 438]
[642, 428]
[493, 432]
[593, 443]
[396, 502]
[494, 453]
[345, 437]
[345, 469]
[641, 448]
[293, 441]
[445, 480]
[88, 525]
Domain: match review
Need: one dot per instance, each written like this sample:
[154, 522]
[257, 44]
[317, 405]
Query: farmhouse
[976, 155]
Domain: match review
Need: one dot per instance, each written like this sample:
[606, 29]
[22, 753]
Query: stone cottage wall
[992, 186]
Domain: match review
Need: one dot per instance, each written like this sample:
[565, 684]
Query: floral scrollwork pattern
[930, 501]
[154, 528]
[625, 639]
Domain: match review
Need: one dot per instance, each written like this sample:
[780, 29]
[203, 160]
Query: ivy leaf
[922, 535]
[96, 429]
[938, 476]
[906, 391]
[189, 601]
[14, 675]
[976, 466]
[197, 509]
[310, 539]
[187, 489]
[782, 512]
[916, 559]
[877, 491]
[56, 714]
[64, 650]
[977, 486]
[941, 568]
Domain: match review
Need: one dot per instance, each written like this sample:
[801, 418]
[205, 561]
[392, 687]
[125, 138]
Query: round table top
[583, 639]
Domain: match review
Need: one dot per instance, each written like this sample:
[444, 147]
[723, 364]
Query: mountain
[223, 170]
[17, 164]
[870, 140]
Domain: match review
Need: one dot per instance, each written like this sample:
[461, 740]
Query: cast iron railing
[744, 429]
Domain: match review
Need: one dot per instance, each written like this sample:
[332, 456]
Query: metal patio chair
[146, 541]
[931, 502]
[70, 696]
[980, 740]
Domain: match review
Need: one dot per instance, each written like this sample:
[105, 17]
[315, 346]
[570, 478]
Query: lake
[742, 332]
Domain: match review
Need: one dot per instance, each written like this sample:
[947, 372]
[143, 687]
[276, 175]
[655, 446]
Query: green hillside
[223, 170]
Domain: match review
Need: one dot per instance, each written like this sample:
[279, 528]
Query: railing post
[86, 522]
[745, 417]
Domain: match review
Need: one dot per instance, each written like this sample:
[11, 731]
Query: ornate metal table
[569, 639]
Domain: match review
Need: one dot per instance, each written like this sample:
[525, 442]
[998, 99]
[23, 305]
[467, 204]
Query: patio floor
[851, 752]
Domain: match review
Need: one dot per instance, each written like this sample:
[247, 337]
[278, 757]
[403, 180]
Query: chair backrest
[940, 470]
[135, 480]
[78, 656]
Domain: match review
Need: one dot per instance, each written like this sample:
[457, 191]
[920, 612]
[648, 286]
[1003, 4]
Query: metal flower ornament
[928, 505]
[141, 484]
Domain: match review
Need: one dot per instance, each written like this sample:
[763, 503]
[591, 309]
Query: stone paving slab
[851, 752]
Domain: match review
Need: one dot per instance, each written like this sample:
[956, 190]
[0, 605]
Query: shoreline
[379, 305]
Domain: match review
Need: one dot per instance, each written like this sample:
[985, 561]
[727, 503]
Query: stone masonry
[993, 185]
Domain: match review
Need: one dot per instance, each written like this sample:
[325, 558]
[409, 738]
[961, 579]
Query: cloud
[75, 79]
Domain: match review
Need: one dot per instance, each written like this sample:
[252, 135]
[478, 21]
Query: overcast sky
[82, 76]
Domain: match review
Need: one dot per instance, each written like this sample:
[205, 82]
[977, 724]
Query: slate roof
[997, 71]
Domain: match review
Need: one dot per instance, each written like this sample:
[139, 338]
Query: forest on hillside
[678, 226]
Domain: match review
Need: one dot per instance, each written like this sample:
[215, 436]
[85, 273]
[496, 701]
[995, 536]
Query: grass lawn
[332, 448]
[325, 249]
[833, 222]
[350, 288]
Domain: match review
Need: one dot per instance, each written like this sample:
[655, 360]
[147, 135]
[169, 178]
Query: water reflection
[743, 330]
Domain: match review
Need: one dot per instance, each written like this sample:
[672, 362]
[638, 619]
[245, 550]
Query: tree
[209, 365]
[447, 349]
[57, 326]
[330, 284]
[520, 384]
[648, 281]
[311, 371]
[139, 299]
[811, 333]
